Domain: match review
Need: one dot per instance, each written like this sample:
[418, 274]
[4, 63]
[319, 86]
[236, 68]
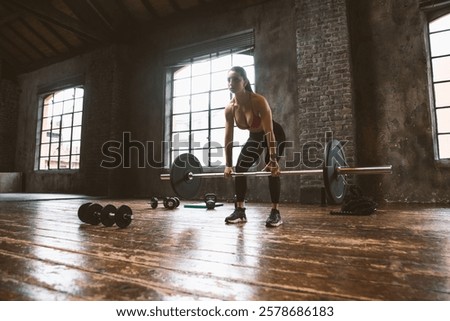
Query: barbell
[186, 173]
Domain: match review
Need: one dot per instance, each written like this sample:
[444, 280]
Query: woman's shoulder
[259, 99]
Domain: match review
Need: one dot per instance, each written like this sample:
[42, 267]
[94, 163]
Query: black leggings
[250, 153]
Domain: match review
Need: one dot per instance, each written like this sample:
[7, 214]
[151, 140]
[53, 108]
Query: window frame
[173, 151]
[43, 94]
[236, 43]
[432, 16]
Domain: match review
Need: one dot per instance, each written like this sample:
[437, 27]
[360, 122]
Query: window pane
[219, 80]
[67, 120]
[58, 96]
[181, 105]
[75, 162]
[218, 137]
[54, 135]
[220, 98]
[441, 69]
[222, 63]
[200, 102]
[78, 105]
[64, 162]
[217, 156]
[45, 137]
[444, 146]
[45, 149]
[242, 60]
[79, 93]
[440, 43]
[46, 123]
[69, 94]
[47, 111]
[182, 87]
[201, 68]
[53, 163]
[180, 140]
[57, 108]
[65, 148]
[54, 148]
[441, 23]
[184, 72]
[76, 147]
[66, 134]
[442, 94]
[200, 120]
[199, 139]
[76, 133]
[77, 117]
[56, 122]
[218, 118]
[68, 106]
[443, 120]
[200, 84]
[180, 122]
[202, 155]
[43, 163]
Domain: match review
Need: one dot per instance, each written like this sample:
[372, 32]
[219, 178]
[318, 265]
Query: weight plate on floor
[182, 185]
[93, 214]
[154, 202]
[124, 216]
[82, 211]
[107, 215]
[334, 182]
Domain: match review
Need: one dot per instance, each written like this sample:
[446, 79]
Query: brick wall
[323, 80]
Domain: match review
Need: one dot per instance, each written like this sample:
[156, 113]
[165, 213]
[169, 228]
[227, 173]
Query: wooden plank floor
[399, 253]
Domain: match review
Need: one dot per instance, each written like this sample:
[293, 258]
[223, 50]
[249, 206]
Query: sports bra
[256, 122]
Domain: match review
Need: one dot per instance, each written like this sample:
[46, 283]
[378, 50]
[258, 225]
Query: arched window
[59, 133]
[199, 96]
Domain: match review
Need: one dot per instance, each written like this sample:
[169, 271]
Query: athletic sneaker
[274, 218]
[238, 216]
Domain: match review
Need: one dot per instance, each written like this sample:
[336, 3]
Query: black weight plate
[170, 203]
[154, 202]
[107, 215]
[334, 183]
[124, 216]
[183, 186]
[177, 200]
[93, 214]
[82, 211]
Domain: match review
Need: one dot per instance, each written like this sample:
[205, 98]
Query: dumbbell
[210, 200]
[90, 213]
[122, 216]
[168, 202]
[93, 213]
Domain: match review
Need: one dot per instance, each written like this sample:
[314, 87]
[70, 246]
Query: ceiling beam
[47, 13]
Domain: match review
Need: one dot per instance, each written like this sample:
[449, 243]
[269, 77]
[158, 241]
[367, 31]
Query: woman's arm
[229, 127]
[266, 119]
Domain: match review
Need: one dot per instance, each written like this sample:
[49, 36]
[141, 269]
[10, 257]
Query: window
[60, 130]
[199, 96]
[439, 39]
[197, 93]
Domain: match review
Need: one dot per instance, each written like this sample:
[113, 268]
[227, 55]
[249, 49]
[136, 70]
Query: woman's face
[236, 82]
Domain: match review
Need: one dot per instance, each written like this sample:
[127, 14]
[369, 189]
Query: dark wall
[391, 100]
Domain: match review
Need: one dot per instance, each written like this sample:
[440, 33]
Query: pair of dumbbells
[94, 214]
[168, 202]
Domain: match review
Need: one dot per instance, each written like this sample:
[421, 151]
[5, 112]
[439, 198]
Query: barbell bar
[186, 173]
